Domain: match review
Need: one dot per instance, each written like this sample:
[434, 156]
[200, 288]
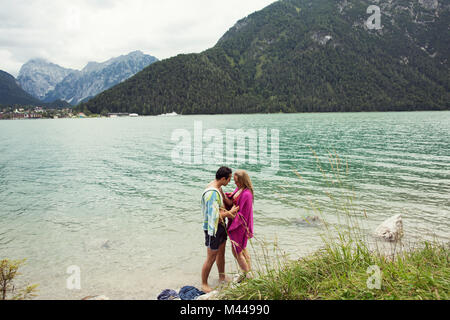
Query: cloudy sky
[72, 33]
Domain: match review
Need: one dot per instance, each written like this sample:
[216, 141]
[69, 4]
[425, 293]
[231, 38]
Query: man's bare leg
[220, 261]
[211, 257]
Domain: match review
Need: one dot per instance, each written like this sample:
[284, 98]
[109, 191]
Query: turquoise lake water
[106, 194]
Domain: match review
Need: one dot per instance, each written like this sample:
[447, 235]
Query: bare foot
[224, 279]
[206, 288]
[239, 278]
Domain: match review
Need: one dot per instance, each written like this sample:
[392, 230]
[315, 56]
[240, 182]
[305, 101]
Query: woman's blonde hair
[245, 181]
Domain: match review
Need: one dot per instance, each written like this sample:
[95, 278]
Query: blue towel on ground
[190, 293]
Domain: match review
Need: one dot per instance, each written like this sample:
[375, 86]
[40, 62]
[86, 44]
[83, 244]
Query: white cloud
[76, 32]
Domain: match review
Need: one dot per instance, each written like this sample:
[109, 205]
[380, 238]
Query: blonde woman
[240, 229]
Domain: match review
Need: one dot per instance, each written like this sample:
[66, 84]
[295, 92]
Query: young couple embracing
[227, 215]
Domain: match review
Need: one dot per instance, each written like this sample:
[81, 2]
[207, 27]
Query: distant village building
[115, 115]
[33, 115]
[18, 115]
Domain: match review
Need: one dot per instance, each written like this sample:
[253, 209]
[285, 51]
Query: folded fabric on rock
[168, 295]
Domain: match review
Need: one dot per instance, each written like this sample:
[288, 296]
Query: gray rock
[391, 229]
[213, 295]
[321, 38]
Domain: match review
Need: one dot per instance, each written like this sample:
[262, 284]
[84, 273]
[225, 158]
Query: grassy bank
[350, 262]
[341, 272]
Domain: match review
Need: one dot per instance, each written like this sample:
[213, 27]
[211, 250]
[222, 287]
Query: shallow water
[106, 195]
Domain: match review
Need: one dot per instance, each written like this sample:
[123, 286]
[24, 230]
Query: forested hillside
[304, 56]
[12, 94]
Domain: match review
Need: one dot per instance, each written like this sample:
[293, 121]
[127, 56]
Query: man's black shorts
[215, 242]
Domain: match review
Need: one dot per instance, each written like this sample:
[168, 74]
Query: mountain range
[48, 82]
[12, 94]
[304, 56]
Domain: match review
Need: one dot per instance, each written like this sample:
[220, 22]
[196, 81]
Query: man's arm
[228, 214]
[226, 201]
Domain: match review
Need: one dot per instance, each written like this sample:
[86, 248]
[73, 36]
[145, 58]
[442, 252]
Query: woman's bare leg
[242, 262]
[234, 252]
[247, 258]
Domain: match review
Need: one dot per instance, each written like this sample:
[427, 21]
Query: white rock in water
[96, 298]
[209, 296]
[391, 229]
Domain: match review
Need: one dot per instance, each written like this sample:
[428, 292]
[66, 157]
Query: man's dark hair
[223, 172]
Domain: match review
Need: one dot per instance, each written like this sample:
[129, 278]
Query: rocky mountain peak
[49, 82]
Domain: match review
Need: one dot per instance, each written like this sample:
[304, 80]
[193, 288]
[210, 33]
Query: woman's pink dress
[240, 229]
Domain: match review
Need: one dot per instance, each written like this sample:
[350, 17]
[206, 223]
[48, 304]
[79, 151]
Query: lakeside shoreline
[229, 114]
